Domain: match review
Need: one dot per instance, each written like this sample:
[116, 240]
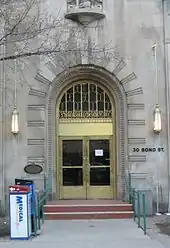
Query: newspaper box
[20, 212]
[30, 183]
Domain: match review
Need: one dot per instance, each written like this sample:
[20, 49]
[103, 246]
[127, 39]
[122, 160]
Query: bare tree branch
[28, 32]
[18, 21]
[47, 52]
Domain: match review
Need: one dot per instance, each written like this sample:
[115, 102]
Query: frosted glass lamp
[157, 120]
[15, 122]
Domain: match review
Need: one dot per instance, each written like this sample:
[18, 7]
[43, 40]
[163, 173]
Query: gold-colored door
[100, 172]
[87, 168]
[72, 164]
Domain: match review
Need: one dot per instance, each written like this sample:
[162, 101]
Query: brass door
[87, 168]
[73, 176]
[100, 168]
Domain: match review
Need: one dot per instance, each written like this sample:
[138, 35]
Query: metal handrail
[38, 214]
[135, 196]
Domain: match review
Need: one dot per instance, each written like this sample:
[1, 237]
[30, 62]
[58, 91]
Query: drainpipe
[166, 73]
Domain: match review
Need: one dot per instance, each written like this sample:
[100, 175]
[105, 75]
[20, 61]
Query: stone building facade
[108, 48]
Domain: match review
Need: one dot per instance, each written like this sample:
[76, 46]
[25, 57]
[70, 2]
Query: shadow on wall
[163, 204]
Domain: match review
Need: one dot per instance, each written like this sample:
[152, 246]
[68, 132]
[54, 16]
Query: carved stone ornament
[71, 3]
[85, 4]
[84, 11]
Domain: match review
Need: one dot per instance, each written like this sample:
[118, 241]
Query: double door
[87, 168]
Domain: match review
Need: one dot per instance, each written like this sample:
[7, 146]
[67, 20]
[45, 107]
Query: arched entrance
[86, 164]
[115, 91]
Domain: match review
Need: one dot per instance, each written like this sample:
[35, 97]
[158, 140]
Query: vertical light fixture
[157, 122]
[15, 114]
[157, 126]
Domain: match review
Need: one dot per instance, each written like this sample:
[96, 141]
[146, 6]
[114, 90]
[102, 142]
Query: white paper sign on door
[99, 153]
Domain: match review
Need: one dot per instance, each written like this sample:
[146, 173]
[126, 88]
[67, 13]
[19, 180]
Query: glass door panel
[72, 169]
[99, 176]
[72, 152]
[72, 177]
[99, 152]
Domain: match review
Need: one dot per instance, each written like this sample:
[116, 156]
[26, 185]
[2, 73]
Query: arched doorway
[86, 142]
[113, 87]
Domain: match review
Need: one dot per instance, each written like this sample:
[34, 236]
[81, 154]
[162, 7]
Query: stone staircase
[87, 209]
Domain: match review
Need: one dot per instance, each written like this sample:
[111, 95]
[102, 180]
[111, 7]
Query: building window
[85, 100]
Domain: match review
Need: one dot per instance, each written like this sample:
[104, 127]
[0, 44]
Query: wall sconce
[157, 120]
[15, 114]
[15, 122]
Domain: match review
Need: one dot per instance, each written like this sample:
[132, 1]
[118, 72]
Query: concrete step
[88, 215]
[87, 210]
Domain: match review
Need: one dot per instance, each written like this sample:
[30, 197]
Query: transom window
[85, 100]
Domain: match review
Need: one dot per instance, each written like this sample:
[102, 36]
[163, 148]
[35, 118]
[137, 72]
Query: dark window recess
[72, 153]
[72, 177]
[100, 176]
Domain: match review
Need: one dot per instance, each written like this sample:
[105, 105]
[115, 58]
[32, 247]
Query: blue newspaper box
[29, 183]
[20, 212]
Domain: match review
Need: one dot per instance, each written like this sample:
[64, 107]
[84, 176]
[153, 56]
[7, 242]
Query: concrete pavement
[88, 234]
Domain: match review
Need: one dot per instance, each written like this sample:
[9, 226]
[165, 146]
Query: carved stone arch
[113, 85]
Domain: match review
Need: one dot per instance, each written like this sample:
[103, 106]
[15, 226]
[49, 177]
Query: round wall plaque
[33, 168]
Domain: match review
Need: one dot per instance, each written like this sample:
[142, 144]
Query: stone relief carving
[85, 3]
[98, 3]
[71, 3]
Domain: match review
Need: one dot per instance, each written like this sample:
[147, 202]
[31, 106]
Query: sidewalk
[88, 234]
[155, 233]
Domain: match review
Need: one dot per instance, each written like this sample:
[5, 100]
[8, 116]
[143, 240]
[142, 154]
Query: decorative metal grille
[85, 100]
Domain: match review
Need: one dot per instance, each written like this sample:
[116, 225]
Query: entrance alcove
[87, 134]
